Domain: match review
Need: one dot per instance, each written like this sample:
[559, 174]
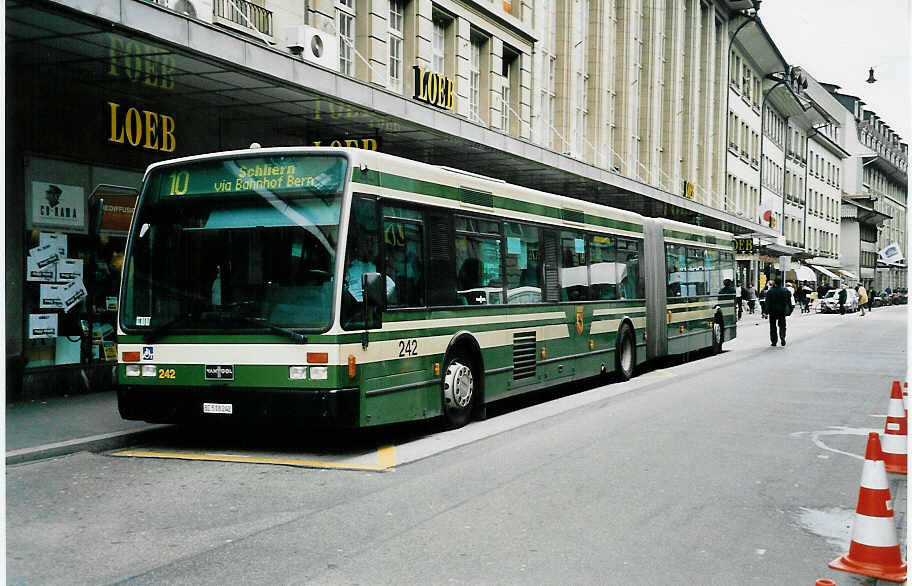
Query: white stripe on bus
[425, 324]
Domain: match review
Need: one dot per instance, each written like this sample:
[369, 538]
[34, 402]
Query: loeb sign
[434, 89]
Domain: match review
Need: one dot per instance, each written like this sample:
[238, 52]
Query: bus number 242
[408, 348]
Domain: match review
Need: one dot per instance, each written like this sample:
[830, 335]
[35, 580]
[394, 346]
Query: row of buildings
[675, 108]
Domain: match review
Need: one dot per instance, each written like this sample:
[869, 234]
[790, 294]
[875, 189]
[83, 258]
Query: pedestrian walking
[778, 305]
[862, 298]
[799, 297]
[762, 296]
[843, 296]
[751, 295]
[806, 308]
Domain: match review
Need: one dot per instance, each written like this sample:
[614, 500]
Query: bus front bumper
[316, 407]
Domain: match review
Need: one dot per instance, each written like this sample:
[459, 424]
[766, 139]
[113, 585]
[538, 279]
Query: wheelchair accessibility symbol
[147, 353]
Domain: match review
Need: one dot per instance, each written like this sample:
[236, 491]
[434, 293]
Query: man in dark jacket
[843, 297]
[778, 305]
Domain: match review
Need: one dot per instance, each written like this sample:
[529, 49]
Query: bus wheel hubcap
[458, 385]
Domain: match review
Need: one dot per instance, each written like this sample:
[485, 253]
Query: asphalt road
[738, 468]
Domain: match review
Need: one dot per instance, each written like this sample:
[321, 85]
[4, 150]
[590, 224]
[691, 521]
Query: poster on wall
[69, 269]
[42, 325]
[72, 294]
[44, 255]
[34, 273]
[58, 204]
[50, 297]
[57, 240]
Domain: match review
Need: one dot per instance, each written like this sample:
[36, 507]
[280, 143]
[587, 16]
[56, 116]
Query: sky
[838, 41]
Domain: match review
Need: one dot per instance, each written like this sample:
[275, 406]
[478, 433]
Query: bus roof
[455, 178]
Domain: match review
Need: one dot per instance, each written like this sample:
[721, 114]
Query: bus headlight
[148, 370]
[297, 372]
[133, 370]
[319, 373]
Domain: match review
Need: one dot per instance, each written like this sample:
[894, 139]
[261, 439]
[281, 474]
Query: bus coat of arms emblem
[579, 319]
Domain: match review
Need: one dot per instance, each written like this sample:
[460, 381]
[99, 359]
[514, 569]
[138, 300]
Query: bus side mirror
[373, 286]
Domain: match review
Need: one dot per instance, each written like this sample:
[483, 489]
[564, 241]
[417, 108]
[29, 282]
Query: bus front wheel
[459, 389]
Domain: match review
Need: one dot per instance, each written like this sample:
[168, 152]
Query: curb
[92, 443]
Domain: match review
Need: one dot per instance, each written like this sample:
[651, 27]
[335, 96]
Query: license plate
[220, 408]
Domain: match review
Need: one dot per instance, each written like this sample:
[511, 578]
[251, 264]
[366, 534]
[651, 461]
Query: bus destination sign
[325, 174]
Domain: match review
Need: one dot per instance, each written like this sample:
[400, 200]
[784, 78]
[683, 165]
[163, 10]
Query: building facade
[612, 101]
[874, 197]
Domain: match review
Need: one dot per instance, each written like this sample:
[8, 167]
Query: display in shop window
[51, 296]
[70, 269]
[58, 204]
[42, 325]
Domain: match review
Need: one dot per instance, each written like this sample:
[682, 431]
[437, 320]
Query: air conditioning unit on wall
[199, 9]
[313, 45]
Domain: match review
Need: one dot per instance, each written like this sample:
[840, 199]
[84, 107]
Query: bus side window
[523, 275]
[676, 270]
[403, 240]
[606, 272]
[574, 274]
[696, 275]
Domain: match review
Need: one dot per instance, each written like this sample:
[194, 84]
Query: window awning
[825, 272]
[802, 273]
[848, 274]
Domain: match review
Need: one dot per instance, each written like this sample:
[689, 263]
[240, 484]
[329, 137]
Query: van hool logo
[219, 372]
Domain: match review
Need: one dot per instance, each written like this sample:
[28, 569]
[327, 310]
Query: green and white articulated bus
[349, 288]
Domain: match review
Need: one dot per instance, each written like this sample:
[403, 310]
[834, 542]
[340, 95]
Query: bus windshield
[235, 244]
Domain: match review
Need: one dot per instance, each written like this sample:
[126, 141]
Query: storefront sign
[56, 204]
[744, 245]
[140, 63]
[116, 214]
[370, 144]
[147, 129]
[42, 325]
[434, 89]
[688, 190]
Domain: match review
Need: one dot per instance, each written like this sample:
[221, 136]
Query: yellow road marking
[386, 458]
[664, 373]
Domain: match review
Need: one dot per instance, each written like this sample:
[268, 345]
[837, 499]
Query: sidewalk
[44, 428]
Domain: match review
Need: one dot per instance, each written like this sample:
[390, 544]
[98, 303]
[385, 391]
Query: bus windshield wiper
[157, 332]
[262, 322]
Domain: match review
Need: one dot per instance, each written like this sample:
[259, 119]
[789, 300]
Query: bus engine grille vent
[523, 355]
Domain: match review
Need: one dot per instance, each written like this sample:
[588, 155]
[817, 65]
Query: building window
[438, 62]
[475, 80]
[395, 44]
[345, 13]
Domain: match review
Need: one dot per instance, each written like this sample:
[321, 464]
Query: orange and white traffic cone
[874, 550]
[895, 434]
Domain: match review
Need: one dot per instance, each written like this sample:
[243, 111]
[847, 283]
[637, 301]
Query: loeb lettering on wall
[58, 205]
[434, 89]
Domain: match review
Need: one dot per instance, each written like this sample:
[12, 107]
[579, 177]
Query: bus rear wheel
[459, 389]
[625, 353]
